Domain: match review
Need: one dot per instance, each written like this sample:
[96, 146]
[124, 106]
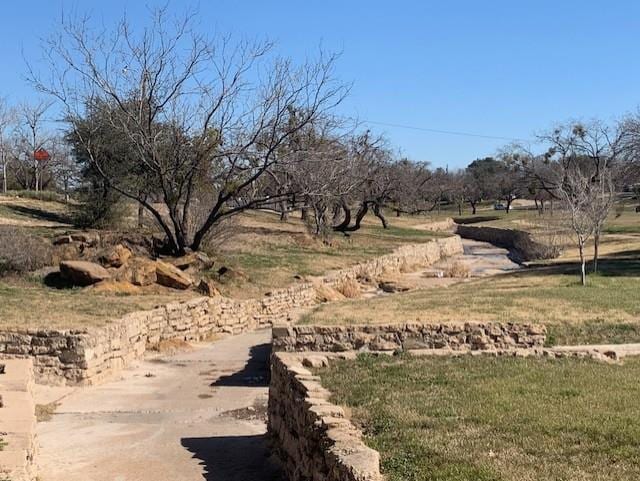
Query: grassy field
[494, 419]
[30, 304]
[270, 253]
[607, 310]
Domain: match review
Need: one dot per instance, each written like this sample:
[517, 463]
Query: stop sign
[41, 155]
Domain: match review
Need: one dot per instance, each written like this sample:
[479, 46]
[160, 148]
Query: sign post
[39, 156]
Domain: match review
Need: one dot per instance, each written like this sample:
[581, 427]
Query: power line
[440, 131]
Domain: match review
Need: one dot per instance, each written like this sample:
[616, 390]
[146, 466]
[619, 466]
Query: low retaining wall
[403, 259]
[409, 336]
[312, 437]
[520, 243]
[17, 422]
[87, 356]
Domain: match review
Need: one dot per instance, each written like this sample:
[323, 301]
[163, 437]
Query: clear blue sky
[501, 68]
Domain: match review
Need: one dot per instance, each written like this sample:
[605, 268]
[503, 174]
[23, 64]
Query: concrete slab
[191, 416]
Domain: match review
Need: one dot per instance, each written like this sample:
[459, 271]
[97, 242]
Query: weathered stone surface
[208, 288]
[400, 337]
[170, 276]
[393, 286]
[140, 271]
[312, 437]
[63, 239]
[116, 256]
[83, 273]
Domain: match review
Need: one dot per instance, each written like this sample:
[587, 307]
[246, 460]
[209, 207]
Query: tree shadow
[619, 264]
[40, 214]
[235, 458]
[255, 373]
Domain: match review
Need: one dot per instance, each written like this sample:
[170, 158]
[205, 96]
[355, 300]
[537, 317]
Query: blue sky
[499, 68]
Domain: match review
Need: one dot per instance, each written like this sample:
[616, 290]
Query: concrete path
[192, 416]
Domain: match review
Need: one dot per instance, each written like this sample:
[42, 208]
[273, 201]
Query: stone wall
[312, 437]
[87, 356]
[17, 422]
[404, 259]
[409, 336]
[521, 244]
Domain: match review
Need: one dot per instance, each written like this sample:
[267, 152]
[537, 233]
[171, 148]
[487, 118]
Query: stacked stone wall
[470, 336]
[521, 244]
[312, 437]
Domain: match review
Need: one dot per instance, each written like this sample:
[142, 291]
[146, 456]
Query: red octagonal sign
[41, 155]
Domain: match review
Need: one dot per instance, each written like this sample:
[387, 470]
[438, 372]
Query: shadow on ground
[234, 458]
[620, 264]
[255, 373]
[40, 214]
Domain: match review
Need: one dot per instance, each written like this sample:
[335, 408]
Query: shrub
[21, 251]
[100, 208]
[348, 288]
[457, 269]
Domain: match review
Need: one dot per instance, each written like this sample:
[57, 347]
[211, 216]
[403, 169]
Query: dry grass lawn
[607, 310]
[25, 304]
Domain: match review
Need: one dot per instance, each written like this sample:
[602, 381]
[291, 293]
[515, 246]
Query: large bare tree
[205, 118]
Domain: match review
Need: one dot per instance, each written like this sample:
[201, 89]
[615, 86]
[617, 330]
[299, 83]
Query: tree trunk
[140, 216]
[378, 213]
[473, 208]
[4, 176]
[596, 245]
[284, 212]
[583, 271]
[397, 212]
[459, 208]
[508, 206]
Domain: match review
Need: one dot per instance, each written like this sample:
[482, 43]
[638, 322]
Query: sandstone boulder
[208, 288]
[61, 240]
[393, 286]
[89, 238]
[83, 273]
[116, 256]
[139, 271]
[198, 260]
[170, 276]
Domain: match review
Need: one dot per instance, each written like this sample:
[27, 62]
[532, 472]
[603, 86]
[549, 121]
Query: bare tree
[32, 137]
[581, 192]
[7, 126]
[205, 118]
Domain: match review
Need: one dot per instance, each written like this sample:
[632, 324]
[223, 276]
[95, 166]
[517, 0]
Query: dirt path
[192, 416]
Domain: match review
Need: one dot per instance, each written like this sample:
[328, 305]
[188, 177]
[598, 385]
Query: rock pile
[85, 261]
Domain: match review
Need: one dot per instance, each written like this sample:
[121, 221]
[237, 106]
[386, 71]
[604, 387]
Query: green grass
[494, 419]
